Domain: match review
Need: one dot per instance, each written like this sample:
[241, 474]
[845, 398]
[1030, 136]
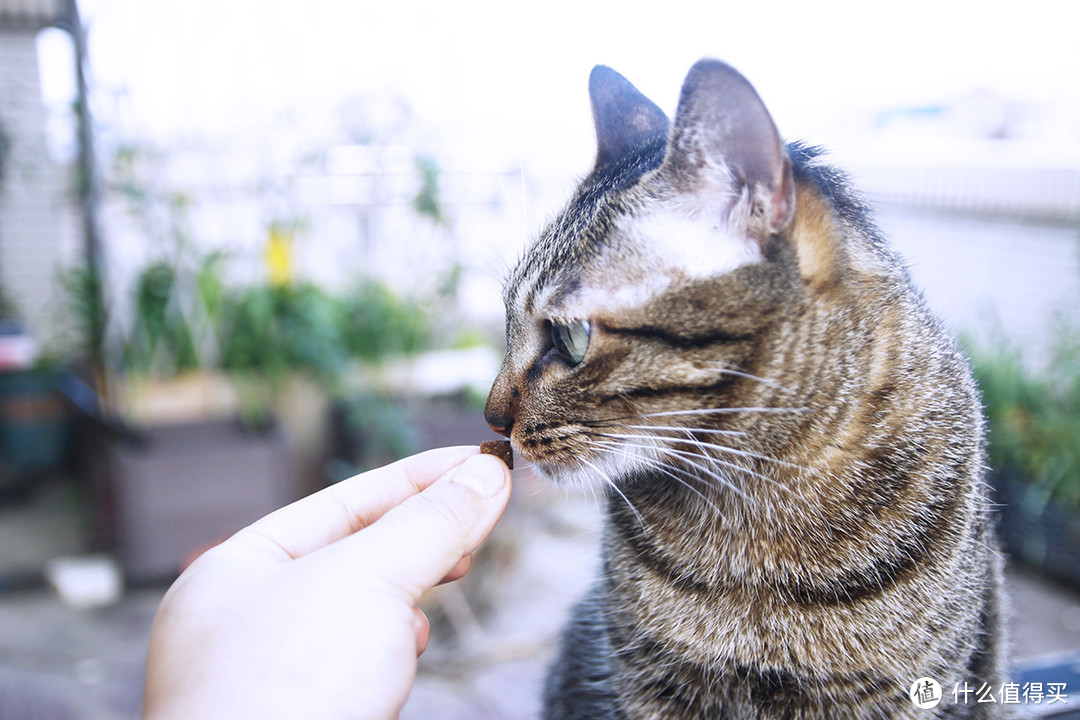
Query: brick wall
[33, 193]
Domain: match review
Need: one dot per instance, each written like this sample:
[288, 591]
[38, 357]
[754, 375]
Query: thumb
[414, 545]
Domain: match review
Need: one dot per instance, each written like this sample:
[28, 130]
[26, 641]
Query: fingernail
[483, 476]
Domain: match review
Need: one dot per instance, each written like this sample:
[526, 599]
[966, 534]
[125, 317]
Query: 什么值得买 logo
[927, 693]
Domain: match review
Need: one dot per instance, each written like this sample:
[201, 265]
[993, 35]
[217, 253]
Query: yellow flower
[278, 255]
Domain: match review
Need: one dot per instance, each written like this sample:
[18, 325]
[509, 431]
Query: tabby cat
[792, 447]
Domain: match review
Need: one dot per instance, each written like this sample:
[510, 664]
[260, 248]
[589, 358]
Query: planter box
[1038, 531]
[188, 486]
[193, 397]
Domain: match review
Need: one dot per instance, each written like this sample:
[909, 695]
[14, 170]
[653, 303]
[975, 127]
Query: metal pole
[88, 186]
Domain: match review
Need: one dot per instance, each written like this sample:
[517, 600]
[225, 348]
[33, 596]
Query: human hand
[311, 611]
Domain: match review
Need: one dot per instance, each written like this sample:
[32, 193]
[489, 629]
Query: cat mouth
[545, 465]
[583, 466]
[550, 466]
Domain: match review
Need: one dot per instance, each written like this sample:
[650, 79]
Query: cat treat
[500, 449]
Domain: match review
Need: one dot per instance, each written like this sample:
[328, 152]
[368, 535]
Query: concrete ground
[495, 631]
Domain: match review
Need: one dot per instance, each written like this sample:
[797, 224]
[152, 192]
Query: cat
[797, 524]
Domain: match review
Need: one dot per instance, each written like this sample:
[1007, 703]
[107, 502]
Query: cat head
[640, 314]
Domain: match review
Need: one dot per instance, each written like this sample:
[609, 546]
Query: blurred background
[248, 249]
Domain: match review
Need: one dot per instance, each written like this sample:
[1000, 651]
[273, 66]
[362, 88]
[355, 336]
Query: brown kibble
[500, 449]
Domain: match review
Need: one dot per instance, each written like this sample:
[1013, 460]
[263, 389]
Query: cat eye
[571, 339]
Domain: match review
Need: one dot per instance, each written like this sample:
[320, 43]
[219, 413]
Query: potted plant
[188, 471]
[226, 387]
[198, 362]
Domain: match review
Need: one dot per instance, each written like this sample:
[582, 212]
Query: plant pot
[185, 487]
[1038, 530]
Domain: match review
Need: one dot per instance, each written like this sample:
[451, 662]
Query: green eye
[571, 339]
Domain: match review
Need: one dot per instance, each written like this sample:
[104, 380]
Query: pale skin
[311, 611]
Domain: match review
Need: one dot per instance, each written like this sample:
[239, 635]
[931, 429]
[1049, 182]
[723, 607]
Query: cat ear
[725, 148]
[625, 119]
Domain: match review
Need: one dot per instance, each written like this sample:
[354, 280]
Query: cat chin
[563, 475]
[598, 472]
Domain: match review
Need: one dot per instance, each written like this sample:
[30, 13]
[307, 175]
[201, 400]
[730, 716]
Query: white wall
[983, 274]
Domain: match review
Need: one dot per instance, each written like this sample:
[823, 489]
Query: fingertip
[485, 475]
[422, 627]
[458, 571]
[417, 544]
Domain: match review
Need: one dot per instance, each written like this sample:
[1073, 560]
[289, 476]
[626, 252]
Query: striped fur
[791, 445]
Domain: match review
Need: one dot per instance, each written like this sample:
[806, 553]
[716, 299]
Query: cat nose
[502, 404]
[499, 423]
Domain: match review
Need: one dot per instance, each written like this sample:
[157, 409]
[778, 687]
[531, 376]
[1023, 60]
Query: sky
[516, 73]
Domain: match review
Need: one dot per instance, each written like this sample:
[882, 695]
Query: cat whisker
[714, 446]
[679, 428]
[611, 483]
[755, 456]
[729, 465]
[694, 457]
[723, 411]
[526, 471]
[716, 462]
[591, 489]
[618, 419]
[655, 464]
[728, 370]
